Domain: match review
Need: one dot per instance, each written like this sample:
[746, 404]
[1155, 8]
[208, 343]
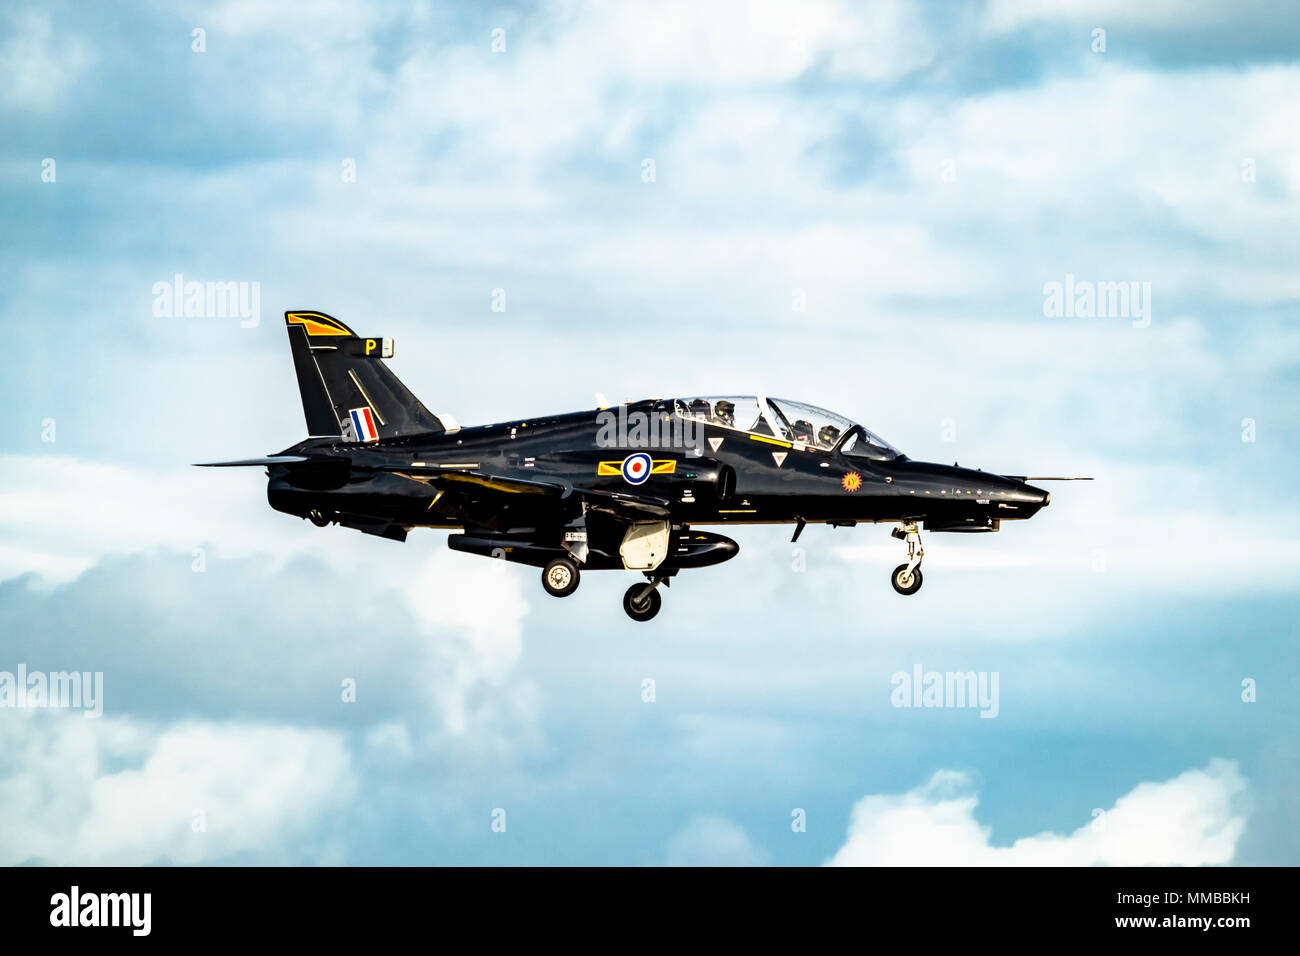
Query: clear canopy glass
[865, 444]
[810, 425]
[795, 422]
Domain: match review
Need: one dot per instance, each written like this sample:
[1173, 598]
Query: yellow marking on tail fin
[317, 323]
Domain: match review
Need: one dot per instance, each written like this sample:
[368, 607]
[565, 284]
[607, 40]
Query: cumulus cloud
[39, 64]
[714, 841]
[1193, 819]
[1171, 15]
[118, 791]
[174, 567]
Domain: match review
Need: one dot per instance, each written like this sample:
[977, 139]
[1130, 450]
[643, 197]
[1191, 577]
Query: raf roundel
[636, 468]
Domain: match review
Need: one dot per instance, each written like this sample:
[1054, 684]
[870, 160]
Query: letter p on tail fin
[346, 387]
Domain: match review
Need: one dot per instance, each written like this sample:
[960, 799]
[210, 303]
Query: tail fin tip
[341, 374]
[317, 324]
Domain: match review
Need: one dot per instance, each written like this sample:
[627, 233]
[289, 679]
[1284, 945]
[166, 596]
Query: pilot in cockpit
[827, 436]
[724, 413]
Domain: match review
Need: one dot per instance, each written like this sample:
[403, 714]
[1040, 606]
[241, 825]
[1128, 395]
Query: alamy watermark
[922, 688]
[1083, 299]
[77, 908]
[179, 299]
[637, 429]
[65, 690]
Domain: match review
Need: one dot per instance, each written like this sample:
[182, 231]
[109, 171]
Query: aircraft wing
[622, 504]
[498, 483]
[636, 507]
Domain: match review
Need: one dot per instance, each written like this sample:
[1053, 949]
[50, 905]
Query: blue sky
[914, 175]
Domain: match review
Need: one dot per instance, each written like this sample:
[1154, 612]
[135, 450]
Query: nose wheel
[905, 581]
[907, 578]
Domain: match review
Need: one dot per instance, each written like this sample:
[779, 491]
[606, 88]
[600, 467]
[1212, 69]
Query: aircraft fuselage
[728, 477]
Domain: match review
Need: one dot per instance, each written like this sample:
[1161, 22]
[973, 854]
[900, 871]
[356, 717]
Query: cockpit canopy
[795, 422]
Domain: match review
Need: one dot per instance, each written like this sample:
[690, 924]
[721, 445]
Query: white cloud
[1002, 15]
[714, 841]
[1192, 820]
[1100, 143]
[77, 791]
[39, 68]
[60, 516]
[745, 194]
[738, 41]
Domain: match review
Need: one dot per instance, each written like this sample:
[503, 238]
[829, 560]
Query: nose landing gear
[907, 577]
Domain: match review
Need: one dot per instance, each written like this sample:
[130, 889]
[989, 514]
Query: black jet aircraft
[625, 488]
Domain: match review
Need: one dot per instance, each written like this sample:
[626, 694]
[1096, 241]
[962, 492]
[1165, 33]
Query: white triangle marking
[779, 456]
[715, 443]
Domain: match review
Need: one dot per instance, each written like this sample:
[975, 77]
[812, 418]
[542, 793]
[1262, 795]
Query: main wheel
[560, 577]
[644, 609]
[905, 583]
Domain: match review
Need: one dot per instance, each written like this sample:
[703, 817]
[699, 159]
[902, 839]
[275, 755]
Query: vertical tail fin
[346, 387]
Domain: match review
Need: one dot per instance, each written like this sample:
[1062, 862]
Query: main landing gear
[560, 577]
[642, 601]
[907, 577]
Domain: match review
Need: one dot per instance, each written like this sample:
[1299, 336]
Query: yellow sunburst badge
[852, 481]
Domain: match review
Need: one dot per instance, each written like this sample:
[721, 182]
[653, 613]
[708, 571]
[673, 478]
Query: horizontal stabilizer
[250, 462]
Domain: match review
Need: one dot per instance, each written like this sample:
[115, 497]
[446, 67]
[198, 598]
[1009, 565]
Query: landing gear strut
[907, 577]
[560, 577]
[642, 601]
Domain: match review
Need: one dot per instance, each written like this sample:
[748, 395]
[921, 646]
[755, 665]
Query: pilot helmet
[828, 435]
[725, 412]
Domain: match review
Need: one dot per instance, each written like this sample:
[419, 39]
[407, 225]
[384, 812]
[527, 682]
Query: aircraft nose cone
[1035, 496]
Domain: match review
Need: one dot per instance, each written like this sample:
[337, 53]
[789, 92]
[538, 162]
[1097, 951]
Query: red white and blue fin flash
[363, 424]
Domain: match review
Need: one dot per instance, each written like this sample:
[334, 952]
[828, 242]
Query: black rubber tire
[914, 583]
[560, 577]
[647, 609]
